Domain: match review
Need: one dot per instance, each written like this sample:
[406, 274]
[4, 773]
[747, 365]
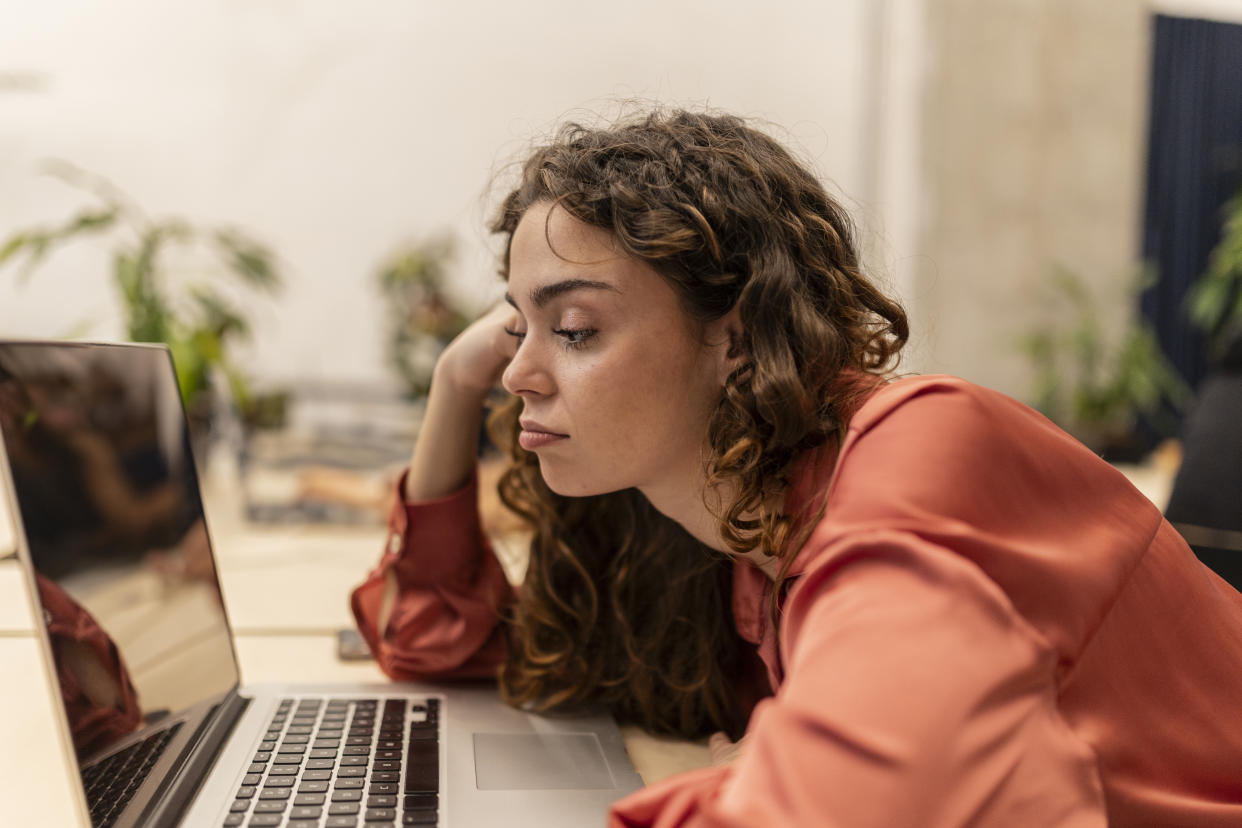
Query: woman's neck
[688, 505]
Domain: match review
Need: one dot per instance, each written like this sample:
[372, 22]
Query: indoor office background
[1042, 182]
[995, 154]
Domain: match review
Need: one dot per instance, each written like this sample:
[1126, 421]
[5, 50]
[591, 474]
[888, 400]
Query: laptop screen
[99, 452]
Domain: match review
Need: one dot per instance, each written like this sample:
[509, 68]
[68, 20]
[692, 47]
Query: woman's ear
[724, 337]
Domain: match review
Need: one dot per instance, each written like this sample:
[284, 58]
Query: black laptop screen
[99, 452]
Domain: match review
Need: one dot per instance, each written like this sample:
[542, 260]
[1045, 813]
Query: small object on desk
[350, 646]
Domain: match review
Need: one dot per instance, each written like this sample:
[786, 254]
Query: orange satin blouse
[987, 626]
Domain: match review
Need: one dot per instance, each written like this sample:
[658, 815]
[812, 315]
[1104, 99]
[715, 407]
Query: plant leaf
[12, 246]
[248, 259]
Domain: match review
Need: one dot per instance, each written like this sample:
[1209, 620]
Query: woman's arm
[431, 607]
[447, 444]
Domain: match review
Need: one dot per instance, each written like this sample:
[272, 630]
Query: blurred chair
[1206, 502]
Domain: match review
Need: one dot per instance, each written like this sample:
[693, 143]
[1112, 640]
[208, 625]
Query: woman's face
[617, 381]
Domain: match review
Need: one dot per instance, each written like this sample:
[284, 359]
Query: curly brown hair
[621, 606]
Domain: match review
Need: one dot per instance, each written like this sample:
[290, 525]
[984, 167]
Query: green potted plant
[421, 316]
[160, 302]
[1215, 301]
[1096, 385]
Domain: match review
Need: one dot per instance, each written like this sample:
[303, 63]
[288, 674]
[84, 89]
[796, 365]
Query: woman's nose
[524, 375]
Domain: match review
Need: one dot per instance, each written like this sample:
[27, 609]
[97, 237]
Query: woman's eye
[518, 335]
[575, 337]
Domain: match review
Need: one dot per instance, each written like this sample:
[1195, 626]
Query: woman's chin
[573, 485]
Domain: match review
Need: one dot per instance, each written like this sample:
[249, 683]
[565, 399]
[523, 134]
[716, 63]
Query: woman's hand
[473, 362]
[724, 751]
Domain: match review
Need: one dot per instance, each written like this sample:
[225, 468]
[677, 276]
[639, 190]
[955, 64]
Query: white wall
[1226, 11]
[337, 131]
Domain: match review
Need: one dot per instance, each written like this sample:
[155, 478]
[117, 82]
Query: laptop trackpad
[535, 761]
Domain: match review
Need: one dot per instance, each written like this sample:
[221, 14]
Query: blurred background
[294, 195]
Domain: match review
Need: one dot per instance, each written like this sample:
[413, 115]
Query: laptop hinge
[167, 806]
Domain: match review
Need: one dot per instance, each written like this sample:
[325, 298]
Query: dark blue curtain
[1194, 165]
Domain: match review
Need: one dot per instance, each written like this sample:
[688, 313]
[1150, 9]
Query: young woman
[921, 603]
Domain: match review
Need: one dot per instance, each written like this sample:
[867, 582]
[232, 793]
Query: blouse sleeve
[450, 591]
[915, 696]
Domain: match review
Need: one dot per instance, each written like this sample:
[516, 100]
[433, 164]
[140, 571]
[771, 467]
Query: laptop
[113, 542]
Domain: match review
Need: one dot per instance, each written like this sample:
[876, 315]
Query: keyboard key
[379, 815]
[305, 812]
[313, 786]
[346, 796]
[421, 802]
[356, 771]
[347, 784]
[245, 792]
[423, 752]
[233, 820]
[252, 779]
[347, 761]
[240, 805]
[275, 793]
[338, 808]
[316, 775]
[422, 778]
[320, 764]
[381, 801]
[269, 806]
[265, 820]
[383, 788]
[419, 818]
[282, 770]
[309, 799]
[341, 822]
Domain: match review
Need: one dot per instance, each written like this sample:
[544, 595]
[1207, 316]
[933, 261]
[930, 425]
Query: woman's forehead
[549, 231]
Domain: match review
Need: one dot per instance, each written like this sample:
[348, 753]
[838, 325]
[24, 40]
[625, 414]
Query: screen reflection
[100, 460]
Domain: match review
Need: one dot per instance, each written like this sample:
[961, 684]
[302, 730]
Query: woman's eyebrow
[544, 294]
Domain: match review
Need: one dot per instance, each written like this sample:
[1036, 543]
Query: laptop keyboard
[111, 782]
[344, 763]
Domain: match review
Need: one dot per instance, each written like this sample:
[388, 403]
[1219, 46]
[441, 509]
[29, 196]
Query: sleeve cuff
[436, 541]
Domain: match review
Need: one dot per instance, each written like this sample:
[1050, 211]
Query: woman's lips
[535, 436]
